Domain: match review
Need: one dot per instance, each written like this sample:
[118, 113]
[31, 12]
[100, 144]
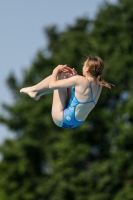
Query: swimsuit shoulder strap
[93, 98]
[91, 88]
[97, 92]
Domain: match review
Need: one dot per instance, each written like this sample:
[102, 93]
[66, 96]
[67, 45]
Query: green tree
[94, 161]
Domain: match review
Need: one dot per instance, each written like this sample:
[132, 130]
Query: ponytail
[103, 83]
[95, 67]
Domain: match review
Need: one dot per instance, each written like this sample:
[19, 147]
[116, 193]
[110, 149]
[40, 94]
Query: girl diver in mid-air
[74, 96]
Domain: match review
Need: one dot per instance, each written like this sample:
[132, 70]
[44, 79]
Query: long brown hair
[95, 67]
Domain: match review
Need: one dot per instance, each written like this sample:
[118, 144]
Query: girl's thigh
[60, 99]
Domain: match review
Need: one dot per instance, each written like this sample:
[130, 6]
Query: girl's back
[85, 96]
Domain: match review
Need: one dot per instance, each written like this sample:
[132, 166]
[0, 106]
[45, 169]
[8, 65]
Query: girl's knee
[62, 75]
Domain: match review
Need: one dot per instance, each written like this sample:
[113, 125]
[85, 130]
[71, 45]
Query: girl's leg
[60, 100]
[38, 90]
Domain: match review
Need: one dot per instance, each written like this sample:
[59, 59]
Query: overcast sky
[21, 34]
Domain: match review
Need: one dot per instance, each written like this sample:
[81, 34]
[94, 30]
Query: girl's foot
[32, 94]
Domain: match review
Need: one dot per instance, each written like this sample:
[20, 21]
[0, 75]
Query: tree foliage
[93, 161]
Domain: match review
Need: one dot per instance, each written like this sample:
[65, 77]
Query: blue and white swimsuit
[69, 112]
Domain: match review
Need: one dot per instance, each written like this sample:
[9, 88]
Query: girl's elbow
[50, 86]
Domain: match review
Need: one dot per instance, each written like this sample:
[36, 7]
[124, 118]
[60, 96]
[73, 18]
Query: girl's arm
[63, 83]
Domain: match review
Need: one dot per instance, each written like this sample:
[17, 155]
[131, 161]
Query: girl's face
[84, 69]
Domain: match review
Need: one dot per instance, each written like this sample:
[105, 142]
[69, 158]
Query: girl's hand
[71, 72]
[74, 72]
[67, 69]
[60, 68]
